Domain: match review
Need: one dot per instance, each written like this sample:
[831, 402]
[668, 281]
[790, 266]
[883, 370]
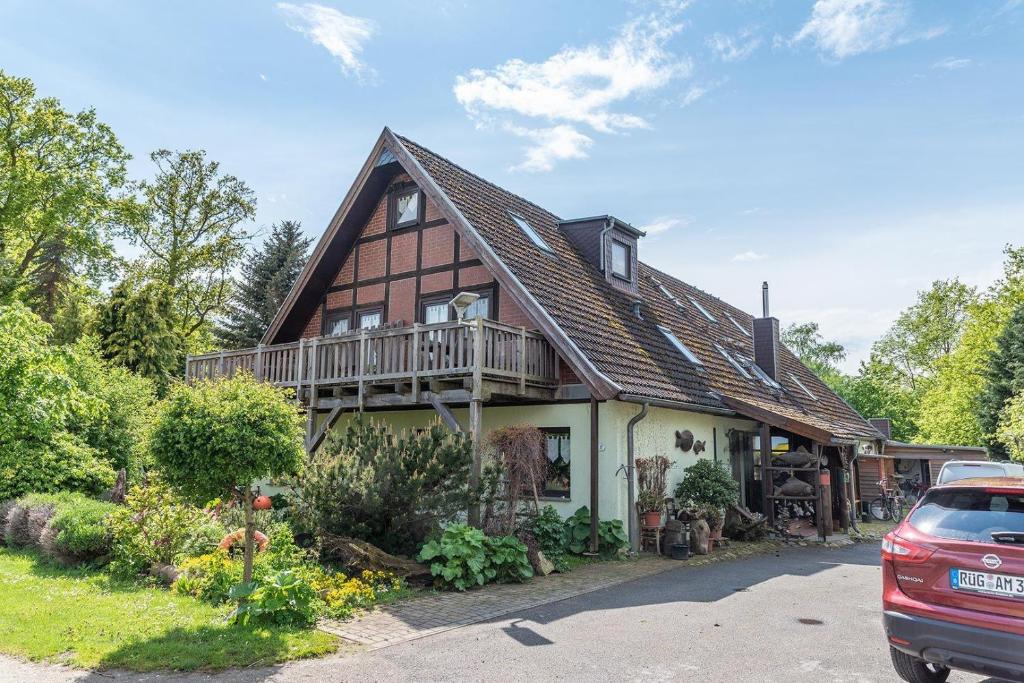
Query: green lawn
[86, 619]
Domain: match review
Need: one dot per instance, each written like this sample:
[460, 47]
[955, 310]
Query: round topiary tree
[216, 438]
[708, 485]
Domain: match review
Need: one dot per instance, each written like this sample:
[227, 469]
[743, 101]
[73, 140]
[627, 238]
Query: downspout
[634, 536]
[609, 223]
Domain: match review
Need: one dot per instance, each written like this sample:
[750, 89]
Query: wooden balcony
[445, 362]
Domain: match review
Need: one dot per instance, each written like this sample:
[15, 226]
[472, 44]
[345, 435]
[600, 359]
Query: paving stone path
[442, 611]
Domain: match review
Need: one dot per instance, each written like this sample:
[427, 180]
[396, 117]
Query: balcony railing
[477, 350]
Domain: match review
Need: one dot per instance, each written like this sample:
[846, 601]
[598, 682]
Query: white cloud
[664, 224]
[844, 28]
[730, 49]
[263, 77]
[340, 34]
[748, 256]
[952, 63]
[575, 87]
[693, 94]
[550, 145]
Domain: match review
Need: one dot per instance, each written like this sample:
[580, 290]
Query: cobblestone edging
[443, 611]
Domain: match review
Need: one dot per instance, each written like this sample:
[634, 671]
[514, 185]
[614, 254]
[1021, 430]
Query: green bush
[612, 540]
[209, 577]
[464, 557]
[549, 530]
[707, 485]
[392, 490]
[283, 599]
[155, 527]
[67, 527]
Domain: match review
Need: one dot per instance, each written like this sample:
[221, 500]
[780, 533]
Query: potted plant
[652, 484]
[709, 486]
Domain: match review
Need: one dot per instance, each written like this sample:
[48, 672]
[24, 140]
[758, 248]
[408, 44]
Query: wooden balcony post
[416, 363]
[258, 370]
[314, 399]
[476, 416]
[220, 364]
[361, 365]
[522, 361]
[299, 367]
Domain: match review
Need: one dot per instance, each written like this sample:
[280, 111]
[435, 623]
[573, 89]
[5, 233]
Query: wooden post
[314, 399]
[476, 410]
[300, 366]
[522, 361]
[416, 363]
[767, 483]
[359, 367]
[258, 370]
[220, 364]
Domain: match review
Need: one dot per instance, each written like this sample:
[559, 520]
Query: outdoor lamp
[462, 301]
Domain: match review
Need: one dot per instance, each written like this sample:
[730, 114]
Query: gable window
[557, 451]
[622, 260]
[436, 312]
[680, 347]
[530, 232]
[370, 319]
[406, 208]
[338, 323]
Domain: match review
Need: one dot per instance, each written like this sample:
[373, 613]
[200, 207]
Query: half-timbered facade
[558, 324]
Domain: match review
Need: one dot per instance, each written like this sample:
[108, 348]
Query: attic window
[680, 347]
[700, 308]
[406, 208]
[801, 385]
[732, 361]
[764, 377]
[530, 232]
[738, 326]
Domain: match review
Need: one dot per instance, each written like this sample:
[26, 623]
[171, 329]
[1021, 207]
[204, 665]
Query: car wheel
[917, 670]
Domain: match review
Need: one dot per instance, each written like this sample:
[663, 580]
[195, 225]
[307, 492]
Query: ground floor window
[557, 451]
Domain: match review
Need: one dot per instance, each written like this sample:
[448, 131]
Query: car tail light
[896, 548]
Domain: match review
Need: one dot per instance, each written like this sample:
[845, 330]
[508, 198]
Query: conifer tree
[136, 330]
[1003, 379]
[266, 278]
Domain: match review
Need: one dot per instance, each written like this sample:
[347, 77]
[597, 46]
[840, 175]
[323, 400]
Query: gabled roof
[591, 323]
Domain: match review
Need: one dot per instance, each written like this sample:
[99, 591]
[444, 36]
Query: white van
[955, 470]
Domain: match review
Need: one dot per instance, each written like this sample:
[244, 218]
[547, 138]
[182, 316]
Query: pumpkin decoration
[262, 503]
[238, 536]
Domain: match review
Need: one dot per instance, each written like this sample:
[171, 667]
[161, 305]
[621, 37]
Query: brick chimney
[766, 339]
[882, 424]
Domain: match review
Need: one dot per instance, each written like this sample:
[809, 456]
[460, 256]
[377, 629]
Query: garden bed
[85, 618]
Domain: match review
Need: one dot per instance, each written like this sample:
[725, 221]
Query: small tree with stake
[216, 438]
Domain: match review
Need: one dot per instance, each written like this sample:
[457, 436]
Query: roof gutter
[675, 405]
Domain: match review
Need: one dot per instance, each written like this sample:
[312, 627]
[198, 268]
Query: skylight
[763, 376]
[801, 385]
[531, 233]
[701, 308]
[738, 326]
[680, 347]
[739, 368]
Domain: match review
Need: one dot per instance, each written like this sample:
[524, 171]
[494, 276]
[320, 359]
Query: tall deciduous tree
[1004, 378]
[59, 174]
[192, 233]
[926, 331]
[267, 276]
[821, 356]
[1011, 427]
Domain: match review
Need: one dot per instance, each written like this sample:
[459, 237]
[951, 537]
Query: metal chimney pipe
[764, 298]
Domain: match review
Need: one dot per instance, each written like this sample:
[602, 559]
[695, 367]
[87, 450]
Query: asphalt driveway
[804, 614]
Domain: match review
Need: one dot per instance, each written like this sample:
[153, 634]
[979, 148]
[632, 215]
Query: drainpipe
[608, 225]
[634, 535]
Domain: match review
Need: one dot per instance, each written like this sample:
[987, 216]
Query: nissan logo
[992, 561]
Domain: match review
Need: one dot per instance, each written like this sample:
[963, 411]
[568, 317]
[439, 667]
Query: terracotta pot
[652, 518]
[262, 503]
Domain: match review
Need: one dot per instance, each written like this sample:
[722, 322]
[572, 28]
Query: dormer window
[622, 260]
[406, 208]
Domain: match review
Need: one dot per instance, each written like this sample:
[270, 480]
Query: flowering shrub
[343, 594]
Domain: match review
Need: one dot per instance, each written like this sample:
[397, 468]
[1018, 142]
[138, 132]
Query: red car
[953, 582]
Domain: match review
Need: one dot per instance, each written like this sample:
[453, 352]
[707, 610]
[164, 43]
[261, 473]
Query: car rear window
[969, 514]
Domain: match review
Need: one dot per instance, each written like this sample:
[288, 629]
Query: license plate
[984, 582]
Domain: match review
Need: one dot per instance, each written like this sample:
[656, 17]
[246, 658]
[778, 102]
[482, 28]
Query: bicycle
[890, 505]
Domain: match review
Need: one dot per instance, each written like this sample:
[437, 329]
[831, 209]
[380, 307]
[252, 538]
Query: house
[911, 464]
[562, 326]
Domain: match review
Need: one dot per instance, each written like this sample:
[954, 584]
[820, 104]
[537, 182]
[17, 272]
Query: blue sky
[848, 151]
